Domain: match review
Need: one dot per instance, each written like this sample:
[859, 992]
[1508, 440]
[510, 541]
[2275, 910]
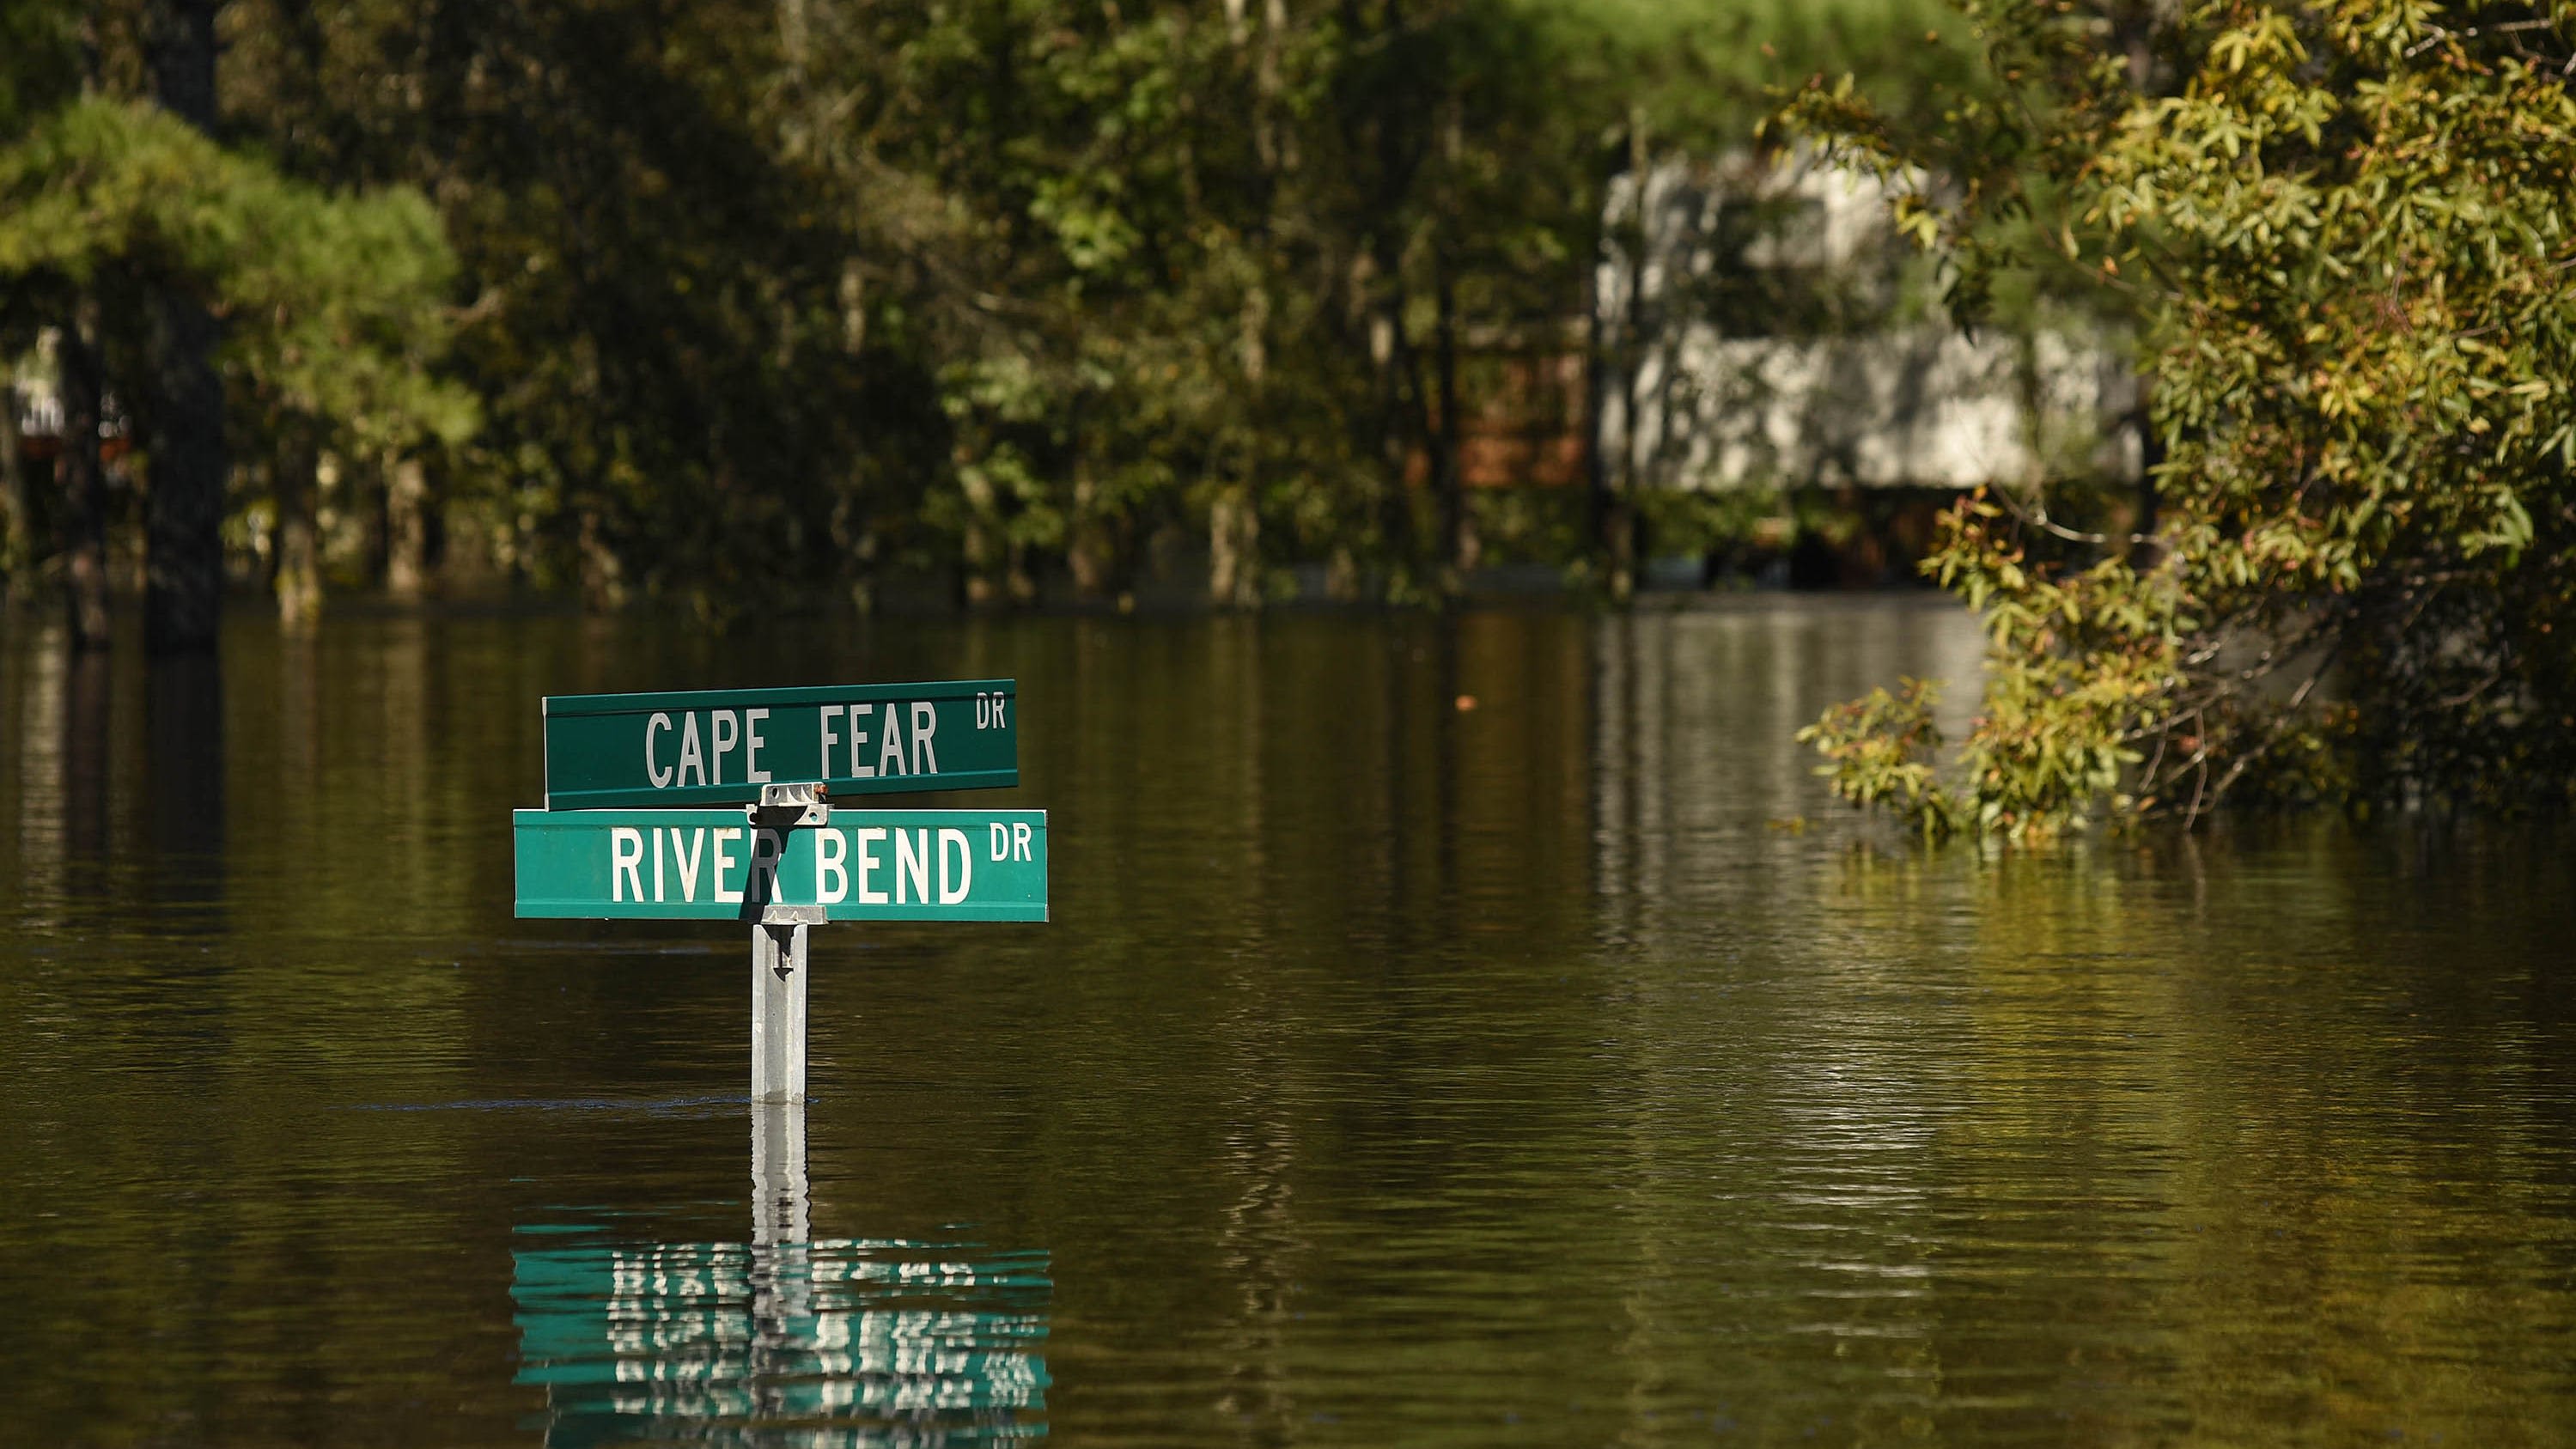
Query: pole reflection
[821, 1343]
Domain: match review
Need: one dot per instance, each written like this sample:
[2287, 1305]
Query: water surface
[1555, 1071]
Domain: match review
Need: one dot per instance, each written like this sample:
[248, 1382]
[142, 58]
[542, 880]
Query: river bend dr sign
[634, 828]
[722, 865]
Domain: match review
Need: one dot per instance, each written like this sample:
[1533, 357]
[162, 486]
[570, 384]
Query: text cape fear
[714, 865]
[718, 747]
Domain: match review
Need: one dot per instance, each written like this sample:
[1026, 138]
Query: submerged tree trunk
[1598, 337]
[856, 541]
[14, 520]
[1393, 359]
[1234, 517]
[1444, 442]
[1234, 548]
[603, 573]
[1615, 479]
[297, 577]
[1088, 553]
[82, 482]
[983, 551]
[184, 509]
[1447, 465]
[367, 482]
[407, 530]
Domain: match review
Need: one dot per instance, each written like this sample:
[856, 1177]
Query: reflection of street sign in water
[835, 1344]
[719, 746]
[719, 865]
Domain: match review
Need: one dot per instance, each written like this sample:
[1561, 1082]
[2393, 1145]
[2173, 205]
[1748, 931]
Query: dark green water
[1391, 1074]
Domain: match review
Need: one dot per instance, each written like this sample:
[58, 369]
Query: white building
[28, 390]
[1770, 339]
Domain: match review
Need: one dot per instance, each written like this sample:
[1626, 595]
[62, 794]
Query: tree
[683, 394]
[759, 300]
[333, 304]
[2343, 231]
[184, 508]
[42, 67]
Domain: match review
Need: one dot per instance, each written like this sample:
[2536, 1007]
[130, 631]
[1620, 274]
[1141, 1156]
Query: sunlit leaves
[333, 304]
[2350, 225]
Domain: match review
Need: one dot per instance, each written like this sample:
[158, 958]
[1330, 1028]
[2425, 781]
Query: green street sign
[719, 746]
[716, 865]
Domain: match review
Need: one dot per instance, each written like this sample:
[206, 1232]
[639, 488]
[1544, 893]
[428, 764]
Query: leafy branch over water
[2343, 234]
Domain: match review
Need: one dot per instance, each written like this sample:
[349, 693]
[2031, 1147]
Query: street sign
[719, 746]
[717, 865]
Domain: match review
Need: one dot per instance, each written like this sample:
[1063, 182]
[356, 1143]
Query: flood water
[1560, 1071]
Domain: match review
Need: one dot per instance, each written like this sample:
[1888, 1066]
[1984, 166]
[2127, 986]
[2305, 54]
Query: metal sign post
[778, 978]
[778, 960]
[785, 860]
[778, 1184]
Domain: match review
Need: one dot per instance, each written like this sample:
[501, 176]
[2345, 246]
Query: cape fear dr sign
[717, 747]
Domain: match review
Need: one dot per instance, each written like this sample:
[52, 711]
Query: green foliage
[767, 298]
[757, 302]
[1882, 747]
[39, 59]
[334, 303]
[2344, 232]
